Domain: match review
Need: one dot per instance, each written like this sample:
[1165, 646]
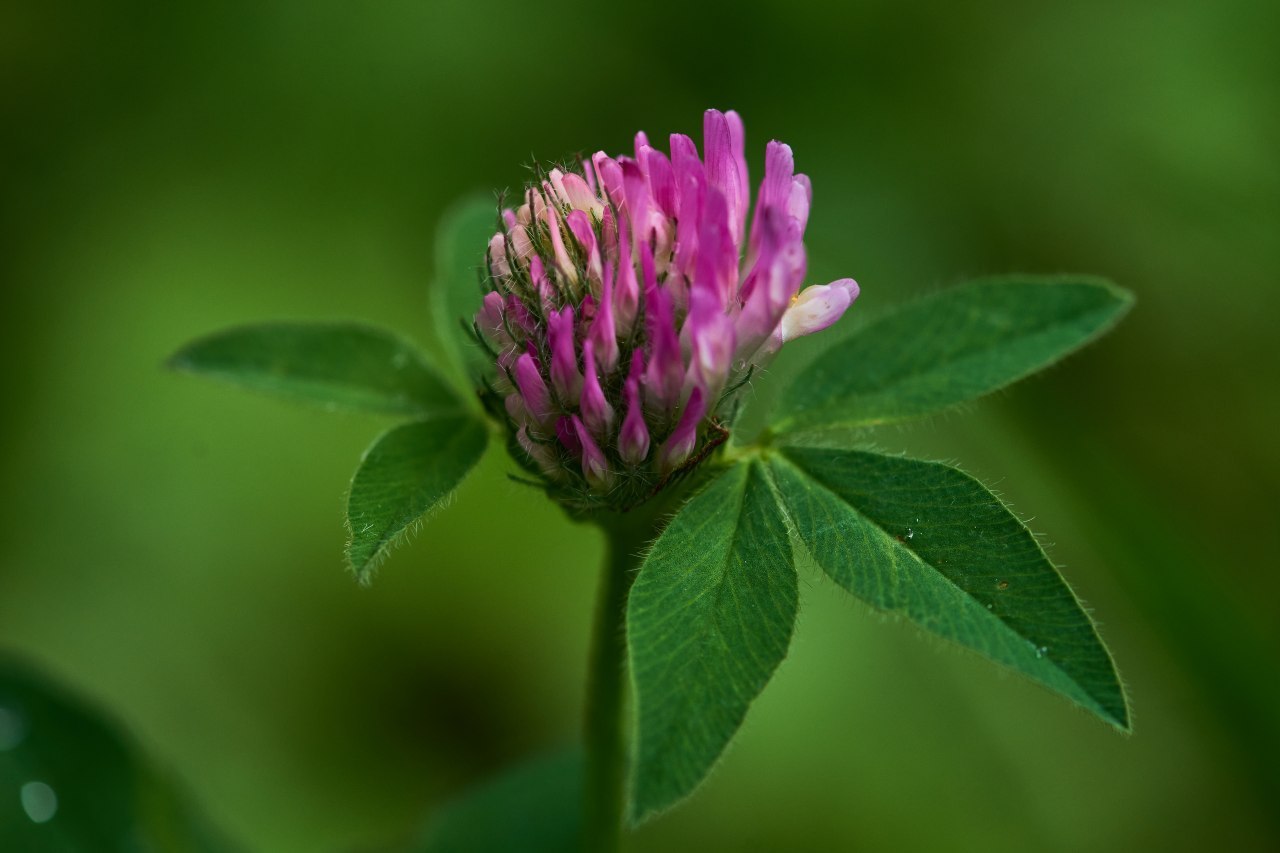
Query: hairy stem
[606, 772]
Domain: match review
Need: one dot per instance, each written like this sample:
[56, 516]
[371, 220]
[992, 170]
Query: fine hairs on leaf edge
[778, 423]
[1124, 728]
[634, 819]
[365, 573]
[179, 362]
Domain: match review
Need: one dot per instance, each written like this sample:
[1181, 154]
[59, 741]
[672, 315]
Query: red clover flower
[629, 304]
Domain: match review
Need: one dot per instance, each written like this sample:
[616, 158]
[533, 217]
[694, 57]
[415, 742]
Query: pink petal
[685, 436]
[633, 438]
[817, 307]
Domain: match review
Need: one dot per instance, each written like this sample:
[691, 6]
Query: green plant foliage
[709, 620]
[72, 783]
[334, 365]
[948, 348]
[929, 542]
[456, 293]
[534, 808]
[408, 471]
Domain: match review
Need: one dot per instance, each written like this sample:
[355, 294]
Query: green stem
[626, 537]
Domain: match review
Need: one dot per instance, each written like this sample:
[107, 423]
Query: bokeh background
[172, 549]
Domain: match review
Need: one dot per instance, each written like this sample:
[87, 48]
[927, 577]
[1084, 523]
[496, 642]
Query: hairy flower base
[628, 305]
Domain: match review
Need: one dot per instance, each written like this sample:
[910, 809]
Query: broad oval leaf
[533, 808]
[70, 781]
[408, 471]
[948, 348]
[334, 365]
[929, 542]
[709, 619]
[462, 241]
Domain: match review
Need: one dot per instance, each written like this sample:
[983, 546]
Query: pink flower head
[630, 304]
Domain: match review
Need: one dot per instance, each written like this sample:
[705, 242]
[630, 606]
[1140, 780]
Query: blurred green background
[172, 548]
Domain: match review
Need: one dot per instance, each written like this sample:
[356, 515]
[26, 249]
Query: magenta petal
[633, 438]
[594, 465]
[685, 436]
[664, 375]
[568, 436]
[778, 272]
[637, 190]
[717, 260]
[609, 176]
[626, 289]
[580, 226]
[800, 200]
[692, 190]
[712, 346]
[597, 414]
[775, 189]
[603, 335]
[565, 376]
[686, 168]
[722, 145]
[662, 185]
[537, 398]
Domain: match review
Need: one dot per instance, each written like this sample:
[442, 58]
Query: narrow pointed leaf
[534, 808]
[71, 780]
[930, 543]
[948, 348]
[709, 620]
[408, 472]
[461, 243]
[334, 365]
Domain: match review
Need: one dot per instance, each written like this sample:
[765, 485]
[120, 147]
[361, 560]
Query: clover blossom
[629, 304]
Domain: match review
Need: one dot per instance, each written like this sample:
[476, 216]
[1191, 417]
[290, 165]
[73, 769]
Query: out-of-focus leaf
[408, 471]
[709, 619]
[333, 365]
[929, 542]
[461, 245]
[948, 348]
[535, 808]
[70, 782]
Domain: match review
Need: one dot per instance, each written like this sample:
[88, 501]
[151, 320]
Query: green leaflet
[709, 619]
[948, 348]
[406, 473]
[334, 365]
[72, 783]
[462, 241]
[931, 543]
[534, 808]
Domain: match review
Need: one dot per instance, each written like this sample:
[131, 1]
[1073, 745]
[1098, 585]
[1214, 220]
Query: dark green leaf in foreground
[709, 620]
[461, 245]
[929, 542]
[948, 348]
[535, 808]
[335, 365]
[406, 473]
[71, 783]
